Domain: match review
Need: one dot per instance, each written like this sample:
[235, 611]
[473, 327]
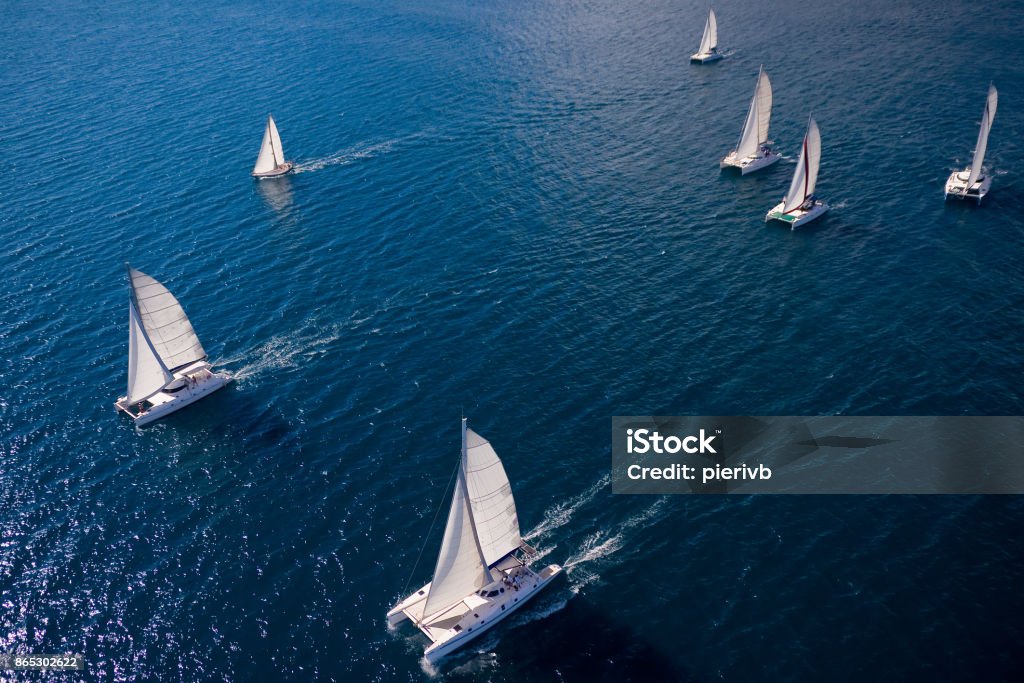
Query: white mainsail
[806, 175]
[986, 125]
[271, 153]
[755, 129]
[164, 323]
[147, 374]
[709, 40]
[490, 495]
[461, 568]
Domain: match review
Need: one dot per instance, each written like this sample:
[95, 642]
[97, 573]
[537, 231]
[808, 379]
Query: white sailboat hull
[957, 187]
[705, 57]
[275, 172]
[797, 217]
[196, 382]
[462, 623]
[748, 164]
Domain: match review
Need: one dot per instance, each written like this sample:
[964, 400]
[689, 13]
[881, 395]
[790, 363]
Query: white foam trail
[544, 552]
[429, 669]
[284, 351]
[346, 156]
[559, 515]
[602, 544]
[642, 519]
[595, 546]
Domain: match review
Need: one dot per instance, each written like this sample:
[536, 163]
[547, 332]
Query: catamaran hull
[167, 403]
[441, 649]
[956, 186]
[435, 652]
[449, 641]
[748, 164]
[398, 613]
[281, 170]
[706, 57]
[794, 219]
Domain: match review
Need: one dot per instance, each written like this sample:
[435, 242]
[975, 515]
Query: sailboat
[973, 182]
[483, 569]
[800, 206]
[753, 150]
[270, 163]
[167, 367]
[708, 50]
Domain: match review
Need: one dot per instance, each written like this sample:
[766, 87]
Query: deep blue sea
[511, 209]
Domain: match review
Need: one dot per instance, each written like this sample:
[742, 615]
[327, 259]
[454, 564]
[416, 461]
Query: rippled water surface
[511, 209]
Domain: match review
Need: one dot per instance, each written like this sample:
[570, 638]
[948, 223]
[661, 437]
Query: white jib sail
[986, 125]
[165, 322]
[146, 372]
[271, 154]
[806, 175]
[755, 129]
[461, 568]
[490, 494]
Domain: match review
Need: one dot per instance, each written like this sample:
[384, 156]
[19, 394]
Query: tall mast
[807, 166]
[991, 100]
[469, 504]
[270, 122]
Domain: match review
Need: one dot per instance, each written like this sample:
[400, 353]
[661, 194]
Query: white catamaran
[270, 163]
[482, 573]
[753, 150]
[708, 50]
[800, 206]
[973, 182]
[167, 368]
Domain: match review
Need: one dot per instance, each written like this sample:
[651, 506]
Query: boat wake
[595, 547]
[429, 670]
[560, 514]
[346, 156]
[580, 567]
[604, 543]
[284, 351]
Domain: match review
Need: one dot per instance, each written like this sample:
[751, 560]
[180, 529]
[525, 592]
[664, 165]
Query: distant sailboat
[482, 573]
[167, 368]
[753, 150]
[270, 163]
[973, 182]
[708, 50]
[800, 206]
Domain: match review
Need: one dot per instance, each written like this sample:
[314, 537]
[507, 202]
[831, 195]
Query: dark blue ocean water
[511, 209]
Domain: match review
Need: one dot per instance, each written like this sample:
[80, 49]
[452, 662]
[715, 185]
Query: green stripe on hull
[782, 217]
